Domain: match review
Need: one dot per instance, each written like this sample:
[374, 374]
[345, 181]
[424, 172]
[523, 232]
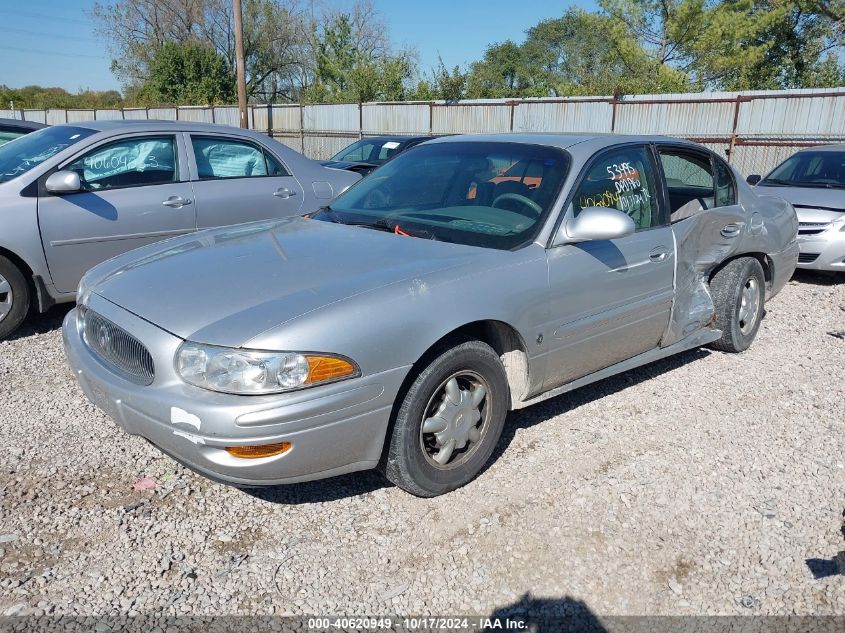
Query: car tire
[439, 410]
[14, 297]
[739, 293]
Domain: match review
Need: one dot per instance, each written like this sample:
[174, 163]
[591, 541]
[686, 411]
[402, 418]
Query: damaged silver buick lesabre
[396, 328]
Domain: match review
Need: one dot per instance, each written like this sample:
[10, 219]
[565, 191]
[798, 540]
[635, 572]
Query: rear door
[135, 191]
[708, 224]
[611, 299]
[237, 180]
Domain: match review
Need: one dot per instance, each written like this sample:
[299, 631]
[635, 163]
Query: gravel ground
[704, 484]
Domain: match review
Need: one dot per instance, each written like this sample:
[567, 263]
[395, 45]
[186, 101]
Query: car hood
[807, 200]
[226, 286]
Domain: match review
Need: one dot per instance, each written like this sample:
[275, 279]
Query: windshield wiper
[380, 224]
[777, 181]
[821, 185]
[384, 225]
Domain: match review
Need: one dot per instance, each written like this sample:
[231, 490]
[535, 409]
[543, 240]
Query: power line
[52, 36]
[44, 16]
[60, 54]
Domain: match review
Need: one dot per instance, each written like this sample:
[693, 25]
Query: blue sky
[51, 42]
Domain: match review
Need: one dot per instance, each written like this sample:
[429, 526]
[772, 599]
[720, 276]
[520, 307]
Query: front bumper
[823, 251]
[333, 429]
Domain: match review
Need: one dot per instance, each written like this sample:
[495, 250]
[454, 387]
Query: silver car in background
[813, 180]
[72, 196]
[396, 328]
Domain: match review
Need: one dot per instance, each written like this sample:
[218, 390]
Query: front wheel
[739, 291]
[14, 297]
[449, 421]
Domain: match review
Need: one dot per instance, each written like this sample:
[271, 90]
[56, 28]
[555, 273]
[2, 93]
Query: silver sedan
[813, 180]
[72, 196]
[396, 328]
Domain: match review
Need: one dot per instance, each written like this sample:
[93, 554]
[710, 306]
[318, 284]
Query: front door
[611, 299]
[236, 180]
[134, 192]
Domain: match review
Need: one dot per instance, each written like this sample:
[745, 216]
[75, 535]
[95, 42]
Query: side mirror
[596, 223]
[753, 179]
[63, 182]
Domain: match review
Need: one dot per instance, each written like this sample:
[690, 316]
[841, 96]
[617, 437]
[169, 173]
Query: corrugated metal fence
[755, 130]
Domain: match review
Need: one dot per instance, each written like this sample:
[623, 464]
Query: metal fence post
[302, 128]
[614, 101]
[732, 144]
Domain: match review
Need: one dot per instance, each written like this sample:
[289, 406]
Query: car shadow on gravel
[545, 614]
[323, 490]
[553, 407]
[363, 482]
[818, 278]
[42, 323]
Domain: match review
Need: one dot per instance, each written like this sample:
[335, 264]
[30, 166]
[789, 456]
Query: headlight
[247, 372]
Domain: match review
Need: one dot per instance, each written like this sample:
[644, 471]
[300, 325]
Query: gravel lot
[704, 484]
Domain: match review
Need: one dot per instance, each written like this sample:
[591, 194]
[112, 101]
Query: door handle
[284, 193]
[731, 230]
[175, 202]
[658, 255]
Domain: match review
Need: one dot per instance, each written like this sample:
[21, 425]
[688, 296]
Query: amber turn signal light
[255, 452]
[323, 368]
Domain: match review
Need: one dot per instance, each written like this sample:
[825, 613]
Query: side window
[360, 153]
[689, 181]
[227, 158]
[725, 188]
[274, 167]
[622, 179]
[132, 162]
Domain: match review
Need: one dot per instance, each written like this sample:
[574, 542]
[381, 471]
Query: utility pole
[239, 63]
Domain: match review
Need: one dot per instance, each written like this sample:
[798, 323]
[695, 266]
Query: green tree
[580, 53]
[737, 44]
[787, 44]
[276, 47]
[441, 83]
[185, 74]
[40, 97]
[347, 71]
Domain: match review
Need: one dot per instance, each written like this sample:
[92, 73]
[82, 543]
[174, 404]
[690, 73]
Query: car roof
[153, 125]
[836, 147]
[24, 125]
[563, 141]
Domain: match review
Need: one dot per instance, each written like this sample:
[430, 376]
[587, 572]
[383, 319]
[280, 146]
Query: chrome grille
[812, 228]
[118, 349]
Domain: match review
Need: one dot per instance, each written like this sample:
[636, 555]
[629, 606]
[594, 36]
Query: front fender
[393, 326]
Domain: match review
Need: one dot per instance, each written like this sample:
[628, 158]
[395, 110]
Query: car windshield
[810, 169]
[19, 156]
[488, 194]
[372, 151]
